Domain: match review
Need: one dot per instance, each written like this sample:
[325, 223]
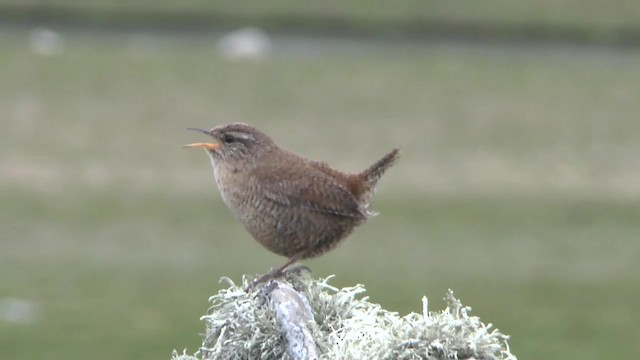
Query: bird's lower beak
[208, 146]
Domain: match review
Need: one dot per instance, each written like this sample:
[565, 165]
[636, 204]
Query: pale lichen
[346, 325]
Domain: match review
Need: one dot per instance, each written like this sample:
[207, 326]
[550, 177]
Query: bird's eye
[228, 139]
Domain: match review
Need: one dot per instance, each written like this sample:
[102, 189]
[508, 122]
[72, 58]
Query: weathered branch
[294, 315]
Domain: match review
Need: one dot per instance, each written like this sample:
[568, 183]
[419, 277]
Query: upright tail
[372, 174]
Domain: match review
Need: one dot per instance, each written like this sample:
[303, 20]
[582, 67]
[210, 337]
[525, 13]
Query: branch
[293, 314]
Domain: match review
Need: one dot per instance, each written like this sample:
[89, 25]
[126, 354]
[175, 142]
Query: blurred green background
[519, 185]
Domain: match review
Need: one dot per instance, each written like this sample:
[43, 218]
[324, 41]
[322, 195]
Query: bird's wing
[311, 190]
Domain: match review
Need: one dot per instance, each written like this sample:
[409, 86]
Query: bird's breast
[238, 190]
[226, 181]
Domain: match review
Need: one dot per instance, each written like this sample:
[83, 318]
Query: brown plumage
[293, 206]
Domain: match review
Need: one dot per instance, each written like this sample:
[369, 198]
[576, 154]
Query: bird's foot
[271, 275]
[296, 269]
[278, 273]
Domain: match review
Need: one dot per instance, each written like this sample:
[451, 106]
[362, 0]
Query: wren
[291, 205]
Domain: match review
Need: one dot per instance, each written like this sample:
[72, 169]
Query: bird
[293, 206]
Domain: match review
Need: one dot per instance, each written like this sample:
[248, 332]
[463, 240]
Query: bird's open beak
[208, 146]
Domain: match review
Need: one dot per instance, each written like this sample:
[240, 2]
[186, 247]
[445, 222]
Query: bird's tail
[372, 174]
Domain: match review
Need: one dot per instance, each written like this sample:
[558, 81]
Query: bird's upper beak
[208, 146]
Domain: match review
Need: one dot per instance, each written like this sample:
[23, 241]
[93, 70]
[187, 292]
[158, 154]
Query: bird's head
[235, 144]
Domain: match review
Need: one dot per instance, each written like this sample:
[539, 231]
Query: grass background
[612, 23]
[604, 15]
[518, 187]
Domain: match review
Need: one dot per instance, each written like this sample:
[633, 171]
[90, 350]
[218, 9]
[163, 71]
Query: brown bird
[293, 206]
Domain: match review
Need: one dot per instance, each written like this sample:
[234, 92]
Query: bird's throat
[212, 158]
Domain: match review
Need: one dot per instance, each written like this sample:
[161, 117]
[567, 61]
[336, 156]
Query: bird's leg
[275, 273]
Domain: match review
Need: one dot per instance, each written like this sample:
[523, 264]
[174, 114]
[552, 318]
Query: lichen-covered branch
[304, 313]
